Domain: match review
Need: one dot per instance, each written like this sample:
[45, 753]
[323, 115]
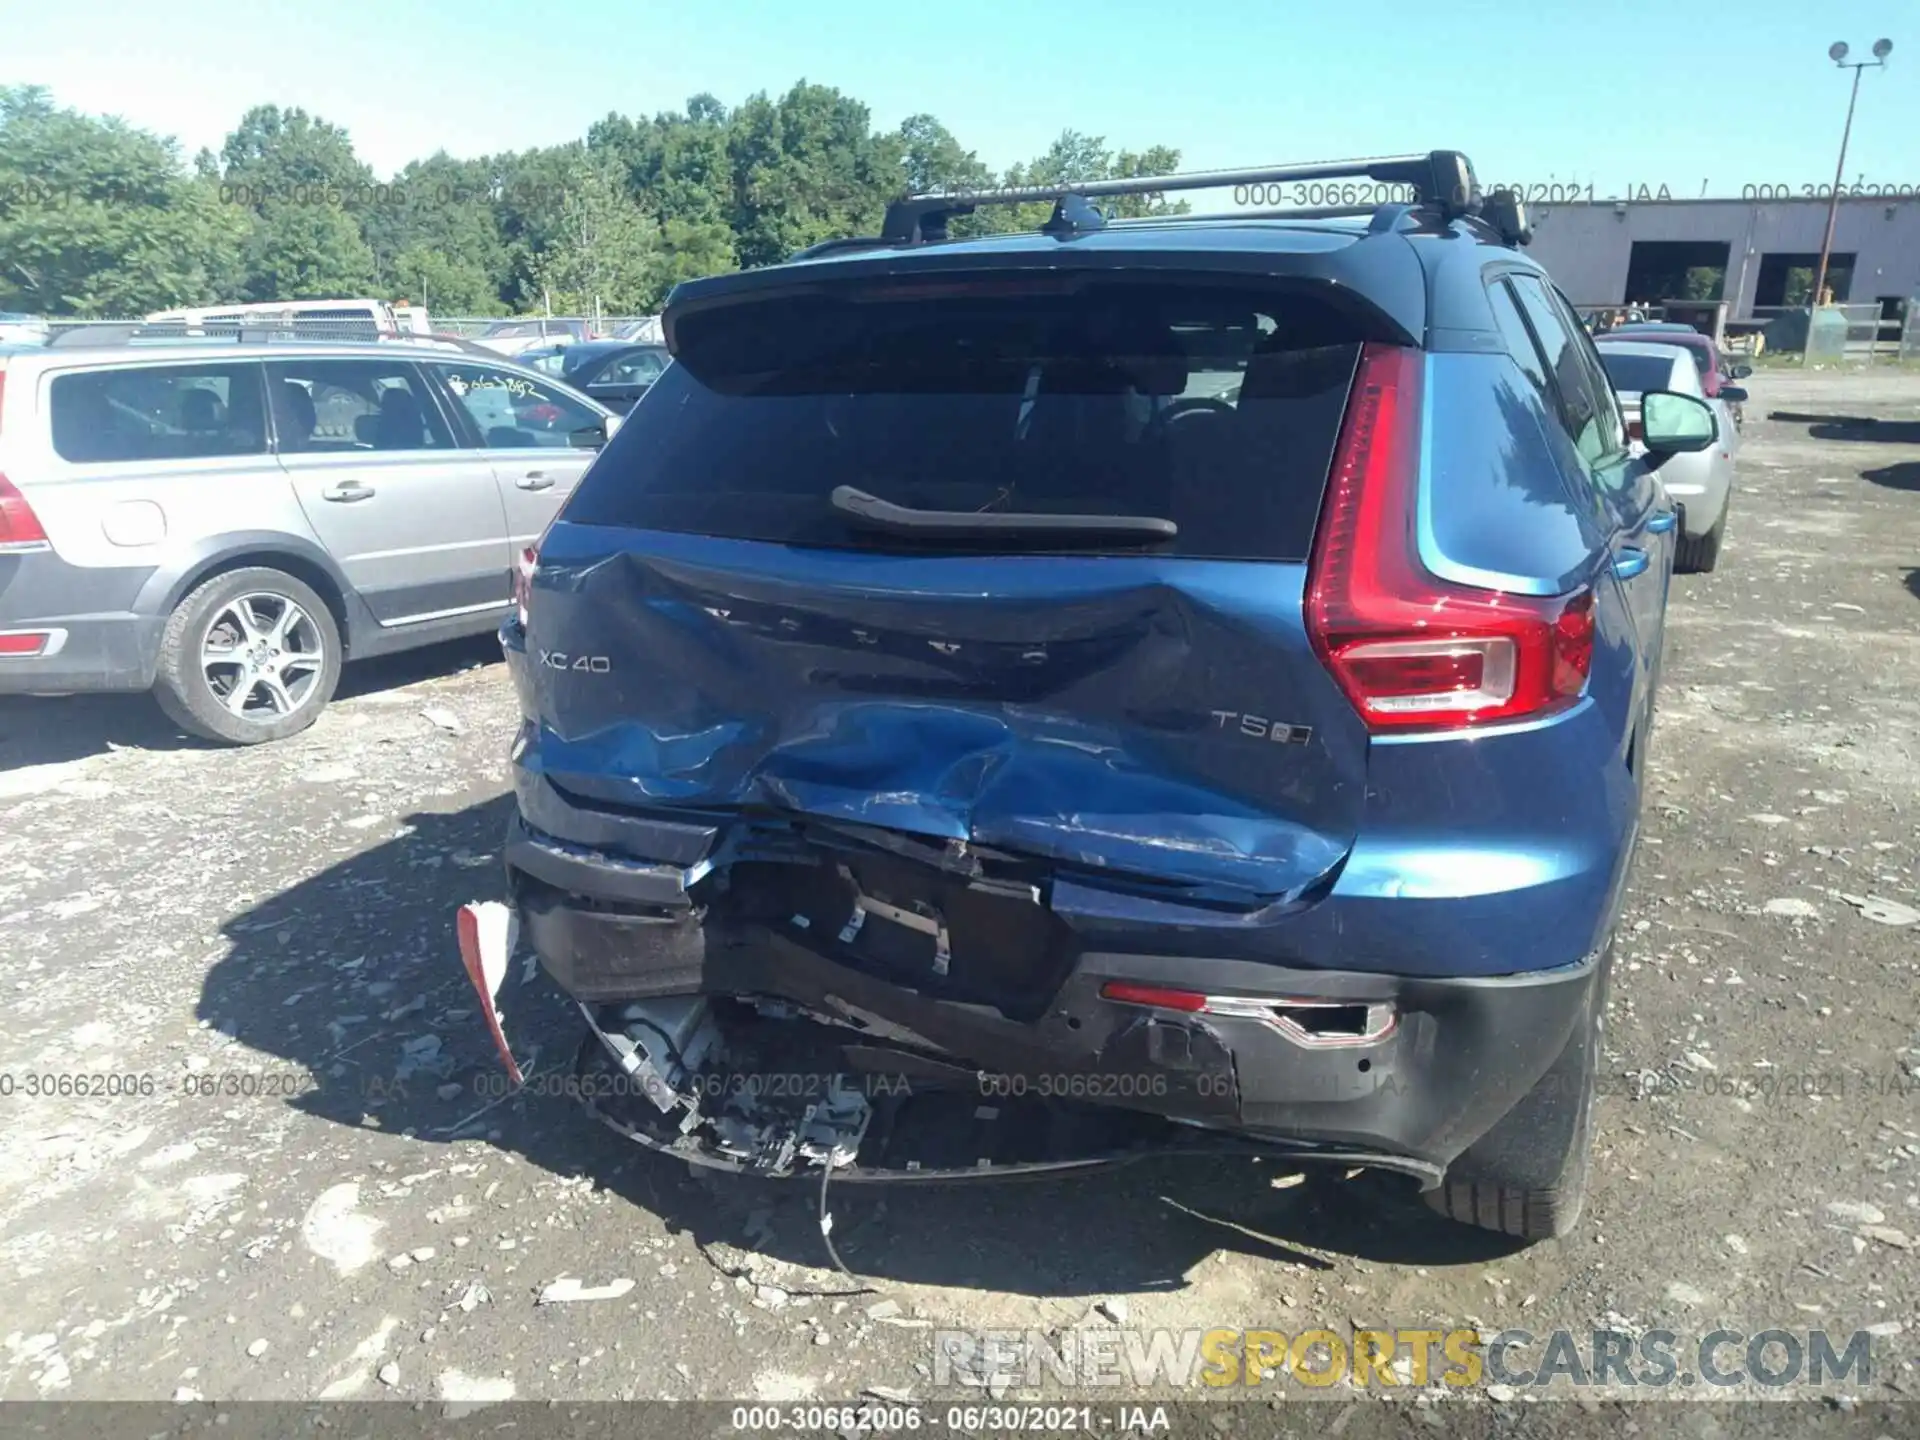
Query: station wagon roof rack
[1442, 181]
[1442, 178]
[97, 336]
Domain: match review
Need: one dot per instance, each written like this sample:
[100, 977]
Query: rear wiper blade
[873, 513]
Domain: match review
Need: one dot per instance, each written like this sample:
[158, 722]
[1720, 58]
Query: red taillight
[523, 567]
[31, 642]
[18, 524]
[1412, 651]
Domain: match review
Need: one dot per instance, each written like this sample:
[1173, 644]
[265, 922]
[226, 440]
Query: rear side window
[328, 406]
[1513, 329]
[1582, 410]
[641, 368]
[1216, 407]
[157, 412]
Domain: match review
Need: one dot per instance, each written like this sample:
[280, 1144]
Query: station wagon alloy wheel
[262, 657]
[248, 656]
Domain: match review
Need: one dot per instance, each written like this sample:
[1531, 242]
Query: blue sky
[1616, 93]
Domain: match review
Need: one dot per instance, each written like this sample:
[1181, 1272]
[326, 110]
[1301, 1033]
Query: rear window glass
[1632, 374]
[158, 412]
[1216, 408]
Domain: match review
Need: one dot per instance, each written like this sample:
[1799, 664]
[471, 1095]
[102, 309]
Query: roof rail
[1441, 178]
[95, 335]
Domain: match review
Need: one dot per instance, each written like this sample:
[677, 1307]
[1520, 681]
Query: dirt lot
[311, 1191]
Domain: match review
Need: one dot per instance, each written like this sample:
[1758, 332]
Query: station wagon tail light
[1411, 651]
[20, 528]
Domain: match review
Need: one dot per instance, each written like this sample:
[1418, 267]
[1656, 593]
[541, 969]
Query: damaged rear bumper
[986, 1001]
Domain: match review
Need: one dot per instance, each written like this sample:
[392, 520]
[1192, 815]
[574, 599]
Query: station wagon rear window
[1214, 406]
[1633, 374]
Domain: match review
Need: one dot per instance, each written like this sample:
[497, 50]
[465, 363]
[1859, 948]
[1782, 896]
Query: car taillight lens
[523, 567]
[1410, 650]
[30, 642]
[18, 524]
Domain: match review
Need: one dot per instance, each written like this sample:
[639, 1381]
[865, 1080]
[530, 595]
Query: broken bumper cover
[1399, 1071]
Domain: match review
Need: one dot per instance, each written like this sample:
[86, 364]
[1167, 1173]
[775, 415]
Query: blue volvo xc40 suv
[1019, 701]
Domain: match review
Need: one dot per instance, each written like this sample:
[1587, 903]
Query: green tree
[602, 252]
[678, 169]
[307, 192]
[806, 168]
[1074, 156]
[97, 218]
[933, 160]
[435, 227]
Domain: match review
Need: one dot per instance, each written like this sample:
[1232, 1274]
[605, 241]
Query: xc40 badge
[592, 664]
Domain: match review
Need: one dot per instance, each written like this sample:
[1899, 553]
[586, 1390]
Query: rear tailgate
[708, 633]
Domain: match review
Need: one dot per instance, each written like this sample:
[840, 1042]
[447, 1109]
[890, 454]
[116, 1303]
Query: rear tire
[1698, 556]
[1527, 1177]
[257, 628]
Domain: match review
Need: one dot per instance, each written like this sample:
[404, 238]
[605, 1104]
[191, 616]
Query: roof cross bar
[1442, 178]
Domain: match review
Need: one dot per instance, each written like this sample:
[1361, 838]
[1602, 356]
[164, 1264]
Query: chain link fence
[1858, 334]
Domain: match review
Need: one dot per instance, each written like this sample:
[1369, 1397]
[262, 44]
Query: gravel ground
[312, 1191]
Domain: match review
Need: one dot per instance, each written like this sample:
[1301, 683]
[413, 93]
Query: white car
[1700, 482]
[512, 337]
[18, 329]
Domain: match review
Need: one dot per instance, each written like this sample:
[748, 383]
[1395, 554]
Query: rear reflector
[19, 526]
[1154, 995]
[30, 643]
[1410, 650]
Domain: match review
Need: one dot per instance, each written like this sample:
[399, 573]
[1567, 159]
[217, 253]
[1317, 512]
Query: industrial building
[1757, 255]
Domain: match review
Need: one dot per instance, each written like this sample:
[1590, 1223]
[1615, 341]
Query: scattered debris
[1885, 912]
[335, 1230]
[566, 1290]
[473, 1297]
[466, 1393]
[1856, 1212]
[1790, 909]
[444, 719]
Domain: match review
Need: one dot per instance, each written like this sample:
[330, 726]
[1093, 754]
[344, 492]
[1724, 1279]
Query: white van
[305, 319]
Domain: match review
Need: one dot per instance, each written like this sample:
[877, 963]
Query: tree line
[100, 218]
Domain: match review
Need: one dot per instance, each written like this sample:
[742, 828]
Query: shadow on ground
[37, 730]
[368, 946]
[1903, 476]
[1853, 427]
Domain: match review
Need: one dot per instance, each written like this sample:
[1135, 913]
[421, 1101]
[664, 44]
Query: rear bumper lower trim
[1413, 1093]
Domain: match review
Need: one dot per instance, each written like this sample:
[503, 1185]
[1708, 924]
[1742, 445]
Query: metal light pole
[1838, 54]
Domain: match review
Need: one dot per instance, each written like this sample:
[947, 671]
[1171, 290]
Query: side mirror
[590, 437]
[1676, 424]
[1740, 372]
[1733, 394]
